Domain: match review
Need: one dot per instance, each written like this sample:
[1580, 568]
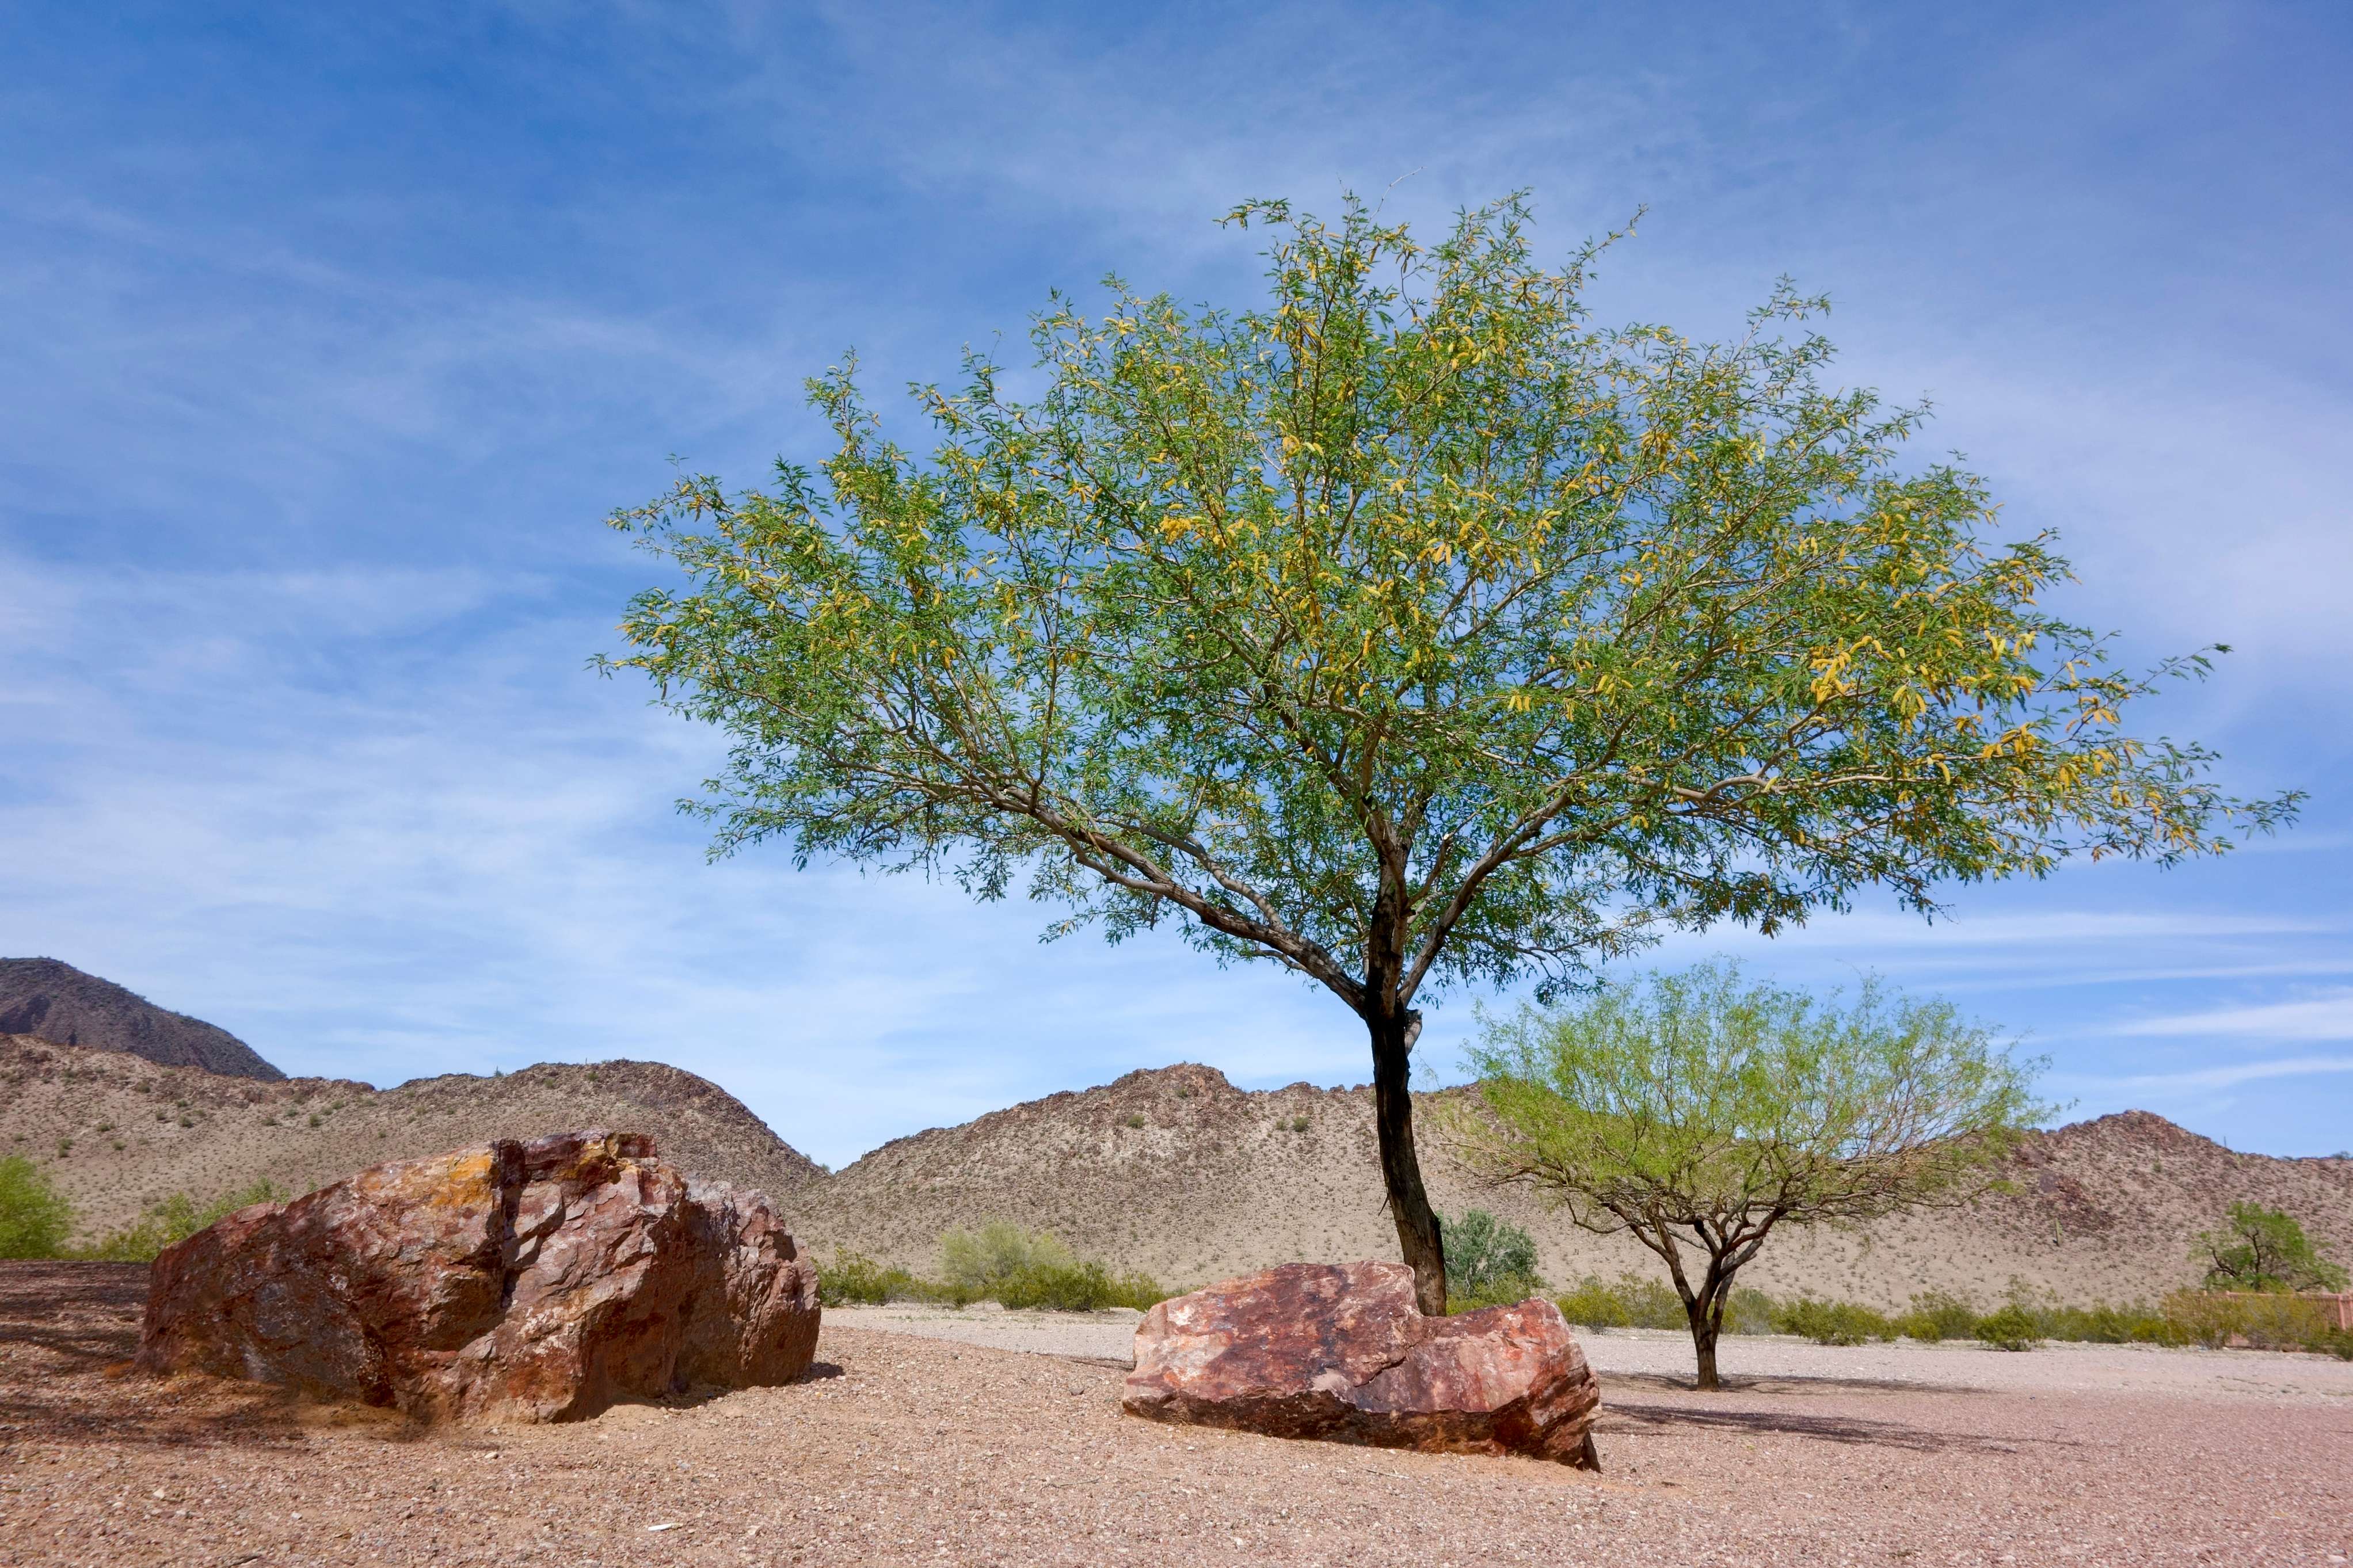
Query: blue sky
[331, 334]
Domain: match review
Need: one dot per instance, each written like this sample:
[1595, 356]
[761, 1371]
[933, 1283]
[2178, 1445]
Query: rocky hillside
[118, 1132]
[1175, 1171]
[1179, 1172]
[57, 1002]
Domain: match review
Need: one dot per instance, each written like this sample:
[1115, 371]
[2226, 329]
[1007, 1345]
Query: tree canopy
[1405, 629]
[2265, 1249]
[1696, 1113]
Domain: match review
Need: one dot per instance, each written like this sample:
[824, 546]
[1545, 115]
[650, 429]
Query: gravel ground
[902, 1448]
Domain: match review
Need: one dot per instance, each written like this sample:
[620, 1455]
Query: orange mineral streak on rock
[537, 1281]
[1340, 1352]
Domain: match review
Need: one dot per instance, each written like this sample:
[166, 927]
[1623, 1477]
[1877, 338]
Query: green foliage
[1695, 1099]
[35, 1217]
[1406, 629]
[853, 1278]
[1749, 1311]
[1632, 1302]
[1937, 1315]
[2263, 1249]
[175, 1220]
[2262, 1321]
[2009, 1328]
[984, 1260]
[1832, 1322]
[1079, 1287]
[1490, 1262]
[1696, 1113]
[1409, 568]
[1002, 1263]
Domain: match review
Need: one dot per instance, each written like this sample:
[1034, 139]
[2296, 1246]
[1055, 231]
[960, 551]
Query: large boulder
[537, 1281]
[1340, 1352]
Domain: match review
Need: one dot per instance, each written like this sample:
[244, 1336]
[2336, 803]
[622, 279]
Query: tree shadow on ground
[1668, 1383]
[1855, 1429]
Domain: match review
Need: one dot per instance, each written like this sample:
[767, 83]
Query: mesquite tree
[1404, 630]
[1696, 1113]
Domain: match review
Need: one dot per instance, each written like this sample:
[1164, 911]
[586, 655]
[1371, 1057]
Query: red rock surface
[537, 1281]
[1340, 1352]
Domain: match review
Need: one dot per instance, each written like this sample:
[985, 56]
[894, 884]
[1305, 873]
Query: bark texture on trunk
[1419, 1241]
[1706, 1313]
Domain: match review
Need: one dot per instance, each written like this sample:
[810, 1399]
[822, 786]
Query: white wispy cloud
[2226, 1076]
[2328, 1017]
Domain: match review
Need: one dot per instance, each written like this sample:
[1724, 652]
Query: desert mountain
[1175, 1171]
[1179, 1172]
[57, 1002]
[118, 1132]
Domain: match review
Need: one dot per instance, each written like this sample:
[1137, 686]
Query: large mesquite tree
[1408, 629]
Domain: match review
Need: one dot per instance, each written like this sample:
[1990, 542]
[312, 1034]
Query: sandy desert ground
[906, 1448]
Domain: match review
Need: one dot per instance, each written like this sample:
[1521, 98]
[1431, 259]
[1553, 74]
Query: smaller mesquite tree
[2265, 1249]
[1697, 1113]
[1406, 630]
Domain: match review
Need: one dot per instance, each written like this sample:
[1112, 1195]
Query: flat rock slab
[538, 1282]
[1340, 1352]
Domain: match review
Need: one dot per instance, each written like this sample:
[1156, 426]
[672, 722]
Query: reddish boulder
[1340, 1352]
[537, 1281]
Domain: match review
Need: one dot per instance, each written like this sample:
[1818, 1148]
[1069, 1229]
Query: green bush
[2103, 1324]
[1832, 1322]
[174, 1219]
[35, 1218]
[1749, 1311]
[982, 1261]
[1938, 1315]
[853, 1278]
[1629, 1302]
[1077, 1287]
[2009, 1328]
[1489, 1261]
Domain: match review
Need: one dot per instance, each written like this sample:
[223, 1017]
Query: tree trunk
[1705, 1310]
[1417, 1223]
[1703, 1331]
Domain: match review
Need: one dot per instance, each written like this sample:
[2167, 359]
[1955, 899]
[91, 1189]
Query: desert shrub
[1749, 1311]
[2102, 1324]
[2268, 1320]
[1937, 1315]
[174, 1219]
[1832, 1322]
[1489, 1261]
[2009, 1328]
[1631, 1302]
[982, 1261]
[35, 1218]
[1135, 1118]
[853, 1278]
[1077, 1288]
